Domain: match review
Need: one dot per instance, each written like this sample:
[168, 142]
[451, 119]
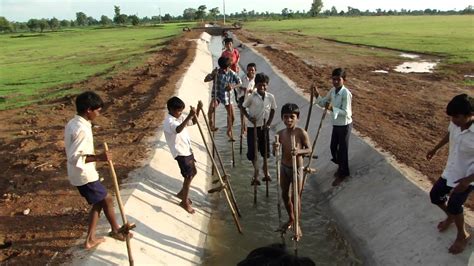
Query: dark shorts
[439, 195]
[287, 172]
[187, 165]
[240, 102]
[94, 192]
[260, 142]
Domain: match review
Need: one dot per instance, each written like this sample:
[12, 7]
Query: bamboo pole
[226, 176]
[126, 226]
[221, 180]
[278, 161]
[310, 110]
[255, 162]
[265, 160]
[296, 210]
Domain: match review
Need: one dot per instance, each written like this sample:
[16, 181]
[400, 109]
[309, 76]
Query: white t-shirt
[461, 154]
[258, 108]
[79, 142]
[179, 143]
[247, 83]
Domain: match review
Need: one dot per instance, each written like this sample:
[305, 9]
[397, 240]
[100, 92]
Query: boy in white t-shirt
[259, 106]
[457, 179]
[179, 142]
[242, 92]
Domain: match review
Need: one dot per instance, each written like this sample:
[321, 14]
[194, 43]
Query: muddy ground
[402, 113]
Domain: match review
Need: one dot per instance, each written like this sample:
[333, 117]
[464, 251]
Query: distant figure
[225, 80]
[457, 179]
[81, 171]
[290, 114]
[259, 107]
[339, 99]
[232, 53]
[179, 142]
[274, 255]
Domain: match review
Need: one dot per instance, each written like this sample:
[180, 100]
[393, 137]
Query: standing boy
[457, 179]
[81, 158]
[247, 88]
[232, 53]
[290, 114]
[225, 80]
[179, 142]
[339, 100]
[259, 106]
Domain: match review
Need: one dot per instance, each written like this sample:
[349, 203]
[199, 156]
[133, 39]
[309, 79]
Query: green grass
[450, 36]
[31, 63]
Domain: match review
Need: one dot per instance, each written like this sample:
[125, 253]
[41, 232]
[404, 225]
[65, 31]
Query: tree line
[201, 13]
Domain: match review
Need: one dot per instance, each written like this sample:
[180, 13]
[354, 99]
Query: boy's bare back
[302, 142]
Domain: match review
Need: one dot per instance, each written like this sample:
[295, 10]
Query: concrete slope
[389, 219]
[165, 234]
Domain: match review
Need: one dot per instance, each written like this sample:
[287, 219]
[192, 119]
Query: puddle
[411, 56]
[380, 71]
[416, 67]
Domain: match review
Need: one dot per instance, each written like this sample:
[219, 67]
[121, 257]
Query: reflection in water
[321, 241]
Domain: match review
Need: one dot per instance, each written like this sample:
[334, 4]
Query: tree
[32, 24]
[333, 11]
[214, 12]
[285, 12]
[53, 23]
[316, 7]
[65, 23]
[81, 19]
[201, 12]
[5, 25]
[43, 23]
[104, 20]
[92, 21]
[134, 19]
[167, 17]
[189, 13]
[119, 18]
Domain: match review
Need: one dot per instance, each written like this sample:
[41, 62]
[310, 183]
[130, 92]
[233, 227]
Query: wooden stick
[310, 110]
[307, 168]
[255, 162]
[221, 180]
[278, 161]
[214, 87]
[295, 190]
[265, 160]
[120, 204]
[241, 132]
[226, 176]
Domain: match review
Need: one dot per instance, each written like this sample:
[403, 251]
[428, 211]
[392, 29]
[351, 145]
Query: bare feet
[229, 134]
[443, 225]
[298, 236]
[92, 243]
[180, 196]
[267, 178]
[255, 181]
[121, 236]
[337, 181]
[459, 244]
[187, 207]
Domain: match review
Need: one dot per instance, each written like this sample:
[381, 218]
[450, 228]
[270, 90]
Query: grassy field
[33, 62]
[451, 36]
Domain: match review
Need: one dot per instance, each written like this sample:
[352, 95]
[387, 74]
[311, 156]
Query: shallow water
[321, 240]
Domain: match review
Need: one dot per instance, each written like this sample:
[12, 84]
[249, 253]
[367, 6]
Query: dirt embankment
[34, 165]
[403, 114]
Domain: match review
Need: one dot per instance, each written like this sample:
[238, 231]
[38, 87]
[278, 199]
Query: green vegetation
[451, 36]
[33, 62]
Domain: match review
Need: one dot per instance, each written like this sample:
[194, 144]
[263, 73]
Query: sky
[22, 10]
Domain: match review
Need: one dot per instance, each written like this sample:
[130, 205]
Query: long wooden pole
[214, 107]
[226, 176]
[255, 162]
[308, 165]
[265, 160]
[221, 180]
[278, 161]
[120, 204]
[296, 202]
[310, 110]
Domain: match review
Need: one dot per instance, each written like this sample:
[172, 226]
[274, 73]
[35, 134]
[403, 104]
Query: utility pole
[224, 10]
[159, 9]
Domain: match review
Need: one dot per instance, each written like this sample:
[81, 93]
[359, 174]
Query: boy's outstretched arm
[211, 76]
[463, 184]
[270, 118]
[438, 146]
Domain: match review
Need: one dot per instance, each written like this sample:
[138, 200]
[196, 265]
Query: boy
[259, 106]
[457, 179]
[232, 53]
[225, 80]
[339, 100]
[179, 142]
[247, 88]
[81, 158]
[290, 114]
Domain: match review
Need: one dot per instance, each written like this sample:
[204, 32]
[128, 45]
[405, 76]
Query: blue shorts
[187, 165]
[94, 192]
[439, 195]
